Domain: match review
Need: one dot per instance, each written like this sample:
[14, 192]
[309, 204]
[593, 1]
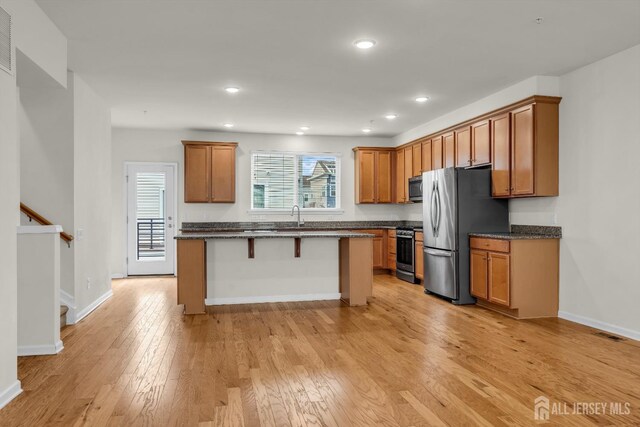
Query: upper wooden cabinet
[373, 175]
[463, 146]
[519, 141]
[436, 153]
[426, 156]
[480, 143]
[501, 155]
[401, 187]
[448, 150]
[417, 159]
[525, 150]
[209, 172]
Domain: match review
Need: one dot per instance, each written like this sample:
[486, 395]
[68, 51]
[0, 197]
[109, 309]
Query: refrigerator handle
[438, 253]
[432, 208]
[438, 213]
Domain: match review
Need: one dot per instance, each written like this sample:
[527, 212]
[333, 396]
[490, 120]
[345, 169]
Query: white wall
[165, 146]
[38, 38]
[46, 161]
[30, 26]
[92, 194]
[599, 203]
[9, 219]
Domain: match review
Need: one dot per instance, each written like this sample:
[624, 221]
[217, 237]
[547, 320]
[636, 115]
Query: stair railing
[35, 216]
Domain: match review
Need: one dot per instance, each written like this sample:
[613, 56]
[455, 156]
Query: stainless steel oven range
[405, 256]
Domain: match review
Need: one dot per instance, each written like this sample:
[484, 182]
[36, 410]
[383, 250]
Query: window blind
[273, 180]
[150, 188]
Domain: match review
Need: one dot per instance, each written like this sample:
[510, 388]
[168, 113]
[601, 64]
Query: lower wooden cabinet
[380, 256]
[391, 250]
[418, 255]
[192, 275]
[518, 277]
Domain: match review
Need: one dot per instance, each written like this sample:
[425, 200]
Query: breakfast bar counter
[256, 266]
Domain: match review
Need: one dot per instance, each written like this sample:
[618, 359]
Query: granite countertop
[328, 234]
[199, 227]
[524, 232]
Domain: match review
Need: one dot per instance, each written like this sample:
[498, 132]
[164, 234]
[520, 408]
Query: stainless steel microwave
[415, 189]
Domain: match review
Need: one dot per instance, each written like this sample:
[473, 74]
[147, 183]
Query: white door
[150, 219]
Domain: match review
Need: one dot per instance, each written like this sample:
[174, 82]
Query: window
[280, 180]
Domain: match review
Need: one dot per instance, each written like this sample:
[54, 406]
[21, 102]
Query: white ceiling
[296, 64]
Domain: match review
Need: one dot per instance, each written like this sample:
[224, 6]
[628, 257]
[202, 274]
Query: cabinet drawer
[419, 236]
[392, 233]
[494, 245]
[377, 233]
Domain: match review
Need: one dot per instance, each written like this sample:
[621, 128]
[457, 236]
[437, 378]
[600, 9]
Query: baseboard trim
[608, 327]
[274, 298]
[101, 299]
[10, 393]
[69, 301]
[40, 350]
[116, 276]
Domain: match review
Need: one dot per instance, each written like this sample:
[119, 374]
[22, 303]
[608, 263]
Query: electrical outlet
[88, 283]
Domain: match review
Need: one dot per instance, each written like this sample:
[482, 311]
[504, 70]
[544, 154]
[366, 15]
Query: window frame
[279, 211]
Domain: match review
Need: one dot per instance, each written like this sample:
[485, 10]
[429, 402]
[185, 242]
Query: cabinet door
[417, 159]
[463, 146]
[197, 174]
[379, 254]
[408, 170]
[367, 177]
[449, 150]
[419, 260]
[480, 143]
[426, 156]
[436, 153]
[223, 174]
[479, 285]
[391, 251]
[522, 151]
[400, 186]
[383, 177]
[500, 155]
[499, 282]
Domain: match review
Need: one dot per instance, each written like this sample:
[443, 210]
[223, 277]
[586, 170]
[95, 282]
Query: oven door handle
[404, 237]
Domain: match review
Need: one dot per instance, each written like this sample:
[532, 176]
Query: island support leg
[192, 275]
[356, 270]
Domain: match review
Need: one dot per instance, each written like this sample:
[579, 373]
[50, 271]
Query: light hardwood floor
[407, 359]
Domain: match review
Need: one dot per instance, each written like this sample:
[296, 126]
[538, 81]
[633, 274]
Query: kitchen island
[253, 266]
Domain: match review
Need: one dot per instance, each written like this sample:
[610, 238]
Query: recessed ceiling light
[299, 133]
[422, 99]
[228, 125]
[232, 89]
[366, 130]
[304, 128]
[391, 116]
[364, 44]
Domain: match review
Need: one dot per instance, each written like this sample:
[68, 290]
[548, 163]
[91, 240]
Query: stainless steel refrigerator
[456, 202]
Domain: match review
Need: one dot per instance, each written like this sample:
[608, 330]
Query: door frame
[125, 209]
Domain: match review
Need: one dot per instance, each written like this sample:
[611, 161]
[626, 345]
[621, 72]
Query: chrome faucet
[293, 209]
